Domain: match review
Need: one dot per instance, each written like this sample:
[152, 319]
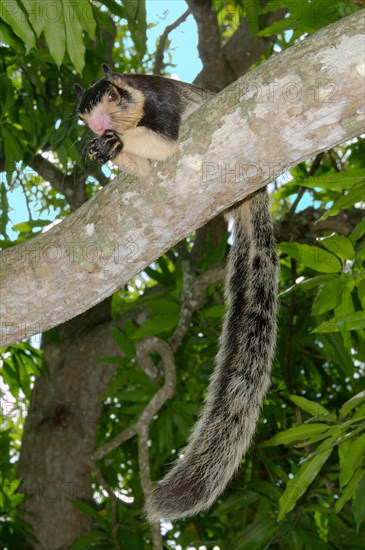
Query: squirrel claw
[105, 147]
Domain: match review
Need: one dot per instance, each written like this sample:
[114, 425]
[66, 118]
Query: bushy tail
[242, 374]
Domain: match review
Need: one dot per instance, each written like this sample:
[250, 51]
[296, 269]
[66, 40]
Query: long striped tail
[242, 375]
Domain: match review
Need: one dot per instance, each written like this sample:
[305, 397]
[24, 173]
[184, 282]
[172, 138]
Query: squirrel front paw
[105, 147]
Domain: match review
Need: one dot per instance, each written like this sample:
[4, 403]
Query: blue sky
[184, 38]
[185, 56]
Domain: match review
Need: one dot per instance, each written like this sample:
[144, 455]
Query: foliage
[302, 485]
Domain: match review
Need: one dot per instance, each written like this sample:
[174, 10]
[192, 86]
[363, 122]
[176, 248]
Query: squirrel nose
[99, 122]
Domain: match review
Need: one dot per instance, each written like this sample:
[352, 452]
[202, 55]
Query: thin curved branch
[141, 427]
[158, 66]
[168, 389]
[188, 305]
[146, 483]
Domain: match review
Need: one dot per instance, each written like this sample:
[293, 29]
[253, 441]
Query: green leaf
[295, 434]
[25, 227]
[86, 16]
[54, 30]
[297, 486]
[308, 284]
[156, 325]
[253, 12]
[134, 11]
[354, 458]
[257, 534]
[165, 431]
[12, 13]
[85, 541]
[7, 36]
[266, 489]
[157, 276]
[74, 39]
[353, 321]
[132, 396]
[358, 232]
[336, 181]
[331, 436]
[352, 403]
[356, 194]
[116, 8]
[7, 93]
[276, 28]
[313, 408]
[335, 350]
[359, 503]
[124, 342]
[361, 292]
[137, 23]
[163, 306]
[215, 312]
[85, 508]
[349, 491]
[329, 296]
[344, 309]
[339, 245]
[312, 256]
[13, 149]
[37, 14]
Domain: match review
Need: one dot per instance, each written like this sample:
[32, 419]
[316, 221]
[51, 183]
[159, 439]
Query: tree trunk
[59, 433]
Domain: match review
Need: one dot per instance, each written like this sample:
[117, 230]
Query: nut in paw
[105, 147]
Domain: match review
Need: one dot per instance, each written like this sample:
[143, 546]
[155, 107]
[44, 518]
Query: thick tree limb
[299, 103]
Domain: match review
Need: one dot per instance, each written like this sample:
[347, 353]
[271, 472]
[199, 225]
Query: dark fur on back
[163, 106]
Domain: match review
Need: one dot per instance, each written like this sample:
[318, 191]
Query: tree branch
[241, 51]
[146, 347]
[72, 186]
[141, 427]
[316, 164]
[158, 66]
[265, 123]
[209, 45]
[49, 172]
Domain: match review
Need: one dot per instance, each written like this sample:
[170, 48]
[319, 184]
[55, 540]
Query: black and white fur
[242, 374]
[144, 121]
[137, 117]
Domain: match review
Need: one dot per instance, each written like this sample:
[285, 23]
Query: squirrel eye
[112, 96]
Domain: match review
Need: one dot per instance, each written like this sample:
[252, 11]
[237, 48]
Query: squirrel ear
[79, 90]
[109, 73]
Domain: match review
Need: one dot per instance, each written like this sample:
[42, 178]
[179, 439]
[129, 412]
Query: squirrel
[136, 118]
